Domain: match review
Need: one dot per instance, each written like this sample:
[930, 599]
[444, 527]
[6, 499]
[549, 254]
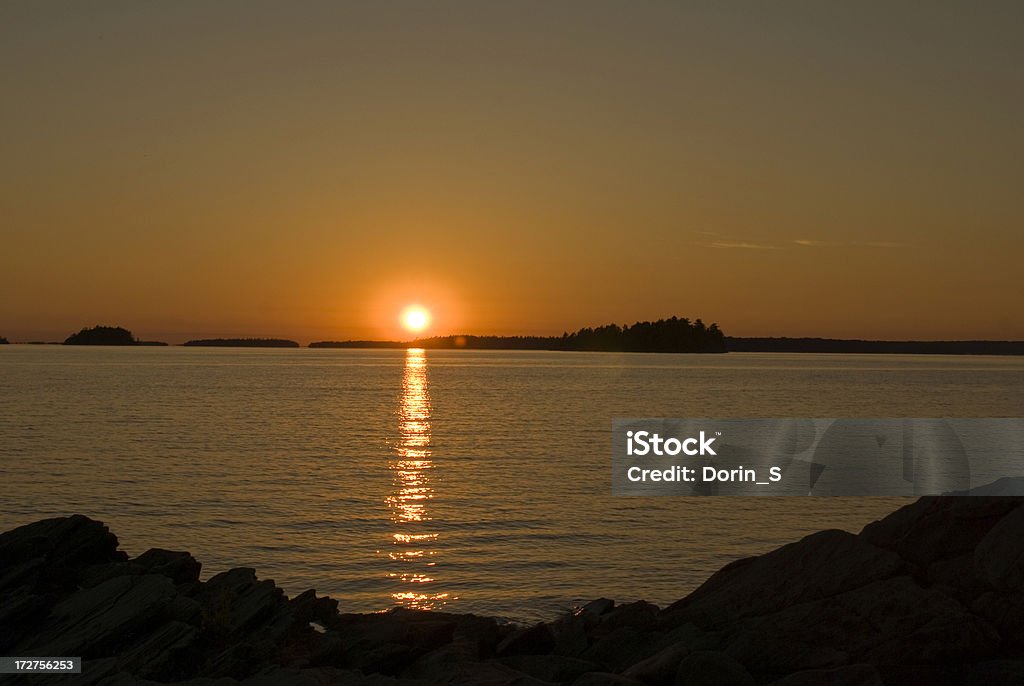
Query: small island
[673, 335]
[3, 341]
[241, 343]
[858, 346]
[106, 335]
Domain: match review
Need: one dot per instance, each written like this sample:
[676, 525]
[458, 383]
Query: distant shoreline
[839, 346]
[732, 344]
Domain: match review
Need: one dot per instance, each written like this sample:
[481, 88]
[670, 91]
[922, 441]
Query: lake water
[477, 481]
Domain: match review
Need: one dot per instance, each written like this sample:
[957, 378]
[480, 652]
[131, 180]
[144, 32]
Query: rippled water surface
[474, 480]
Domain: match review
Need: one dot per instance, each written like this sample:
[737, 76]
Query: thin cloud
[849, 244]
[740, 245]
[887, 244]
[804, 241]
[728, 243]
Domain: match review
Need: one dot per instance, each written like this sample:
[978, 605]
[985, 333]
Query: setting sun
[415, 318]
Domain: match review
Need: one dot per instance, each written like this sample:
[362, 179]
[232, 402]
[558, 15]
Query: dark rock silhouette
[3, 341]
[933, 593]
[242, 343]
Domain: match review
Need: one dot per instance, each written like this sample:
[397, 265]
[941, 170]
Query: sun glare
[415, 318]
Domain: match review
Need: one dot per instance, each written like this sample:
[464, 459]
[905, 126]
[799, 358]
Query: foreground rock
[932, 594]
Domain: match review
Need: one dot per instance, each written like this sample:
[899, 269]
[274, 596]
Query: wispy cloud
[849, 244]
[740, 245]
[718, 241]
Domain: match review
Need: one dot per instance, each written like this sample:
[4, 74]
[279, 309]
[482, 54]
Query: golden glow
[415, 318]
[411, 468]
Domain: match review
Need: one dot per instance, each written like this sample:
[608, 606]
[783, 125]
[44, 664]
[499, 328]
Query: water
[477, 481]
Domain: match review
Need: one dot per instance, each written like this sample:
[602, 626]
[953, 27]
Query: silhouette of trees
[3, 341]
[243, 343]
[841, 345]
[665, 335]
[673, 335]
[101, 335]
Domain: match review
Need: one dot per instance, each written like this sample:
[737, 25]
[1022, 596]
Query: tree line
[673, 335]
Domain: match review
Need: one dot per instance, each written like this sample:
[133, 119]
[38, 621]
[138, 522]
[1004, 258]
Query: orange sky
[255, 169]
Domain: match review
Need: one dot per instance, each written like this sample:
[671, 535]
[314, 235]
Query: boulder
[236, 602]
[889, 622]
[641, 614]
[994, 673]
[935, 528]
[623, 647]
[52, 552]
[557, 669]
[307, 607]
[850, 675]
[102, 620]
[605, 679]
[181, 568]
[712, 668]
[595, 609]
[999, 556]
[821, 565]
[659, 669]
[535, 640]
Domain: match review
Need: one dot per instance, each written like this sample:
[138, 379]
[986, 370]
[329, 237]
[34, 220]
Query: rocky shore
[932, 594]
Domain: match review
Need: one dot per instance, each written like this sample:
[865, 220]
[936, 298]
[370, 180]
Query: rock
[708, 668]
[489, 673]
[932, 594]
[54, 551]
[659, 669]
[889, 622]
[20, 614]
[621, 648]
[595, 609]
[571, 637]
[181, 568]
[605, 679]
[935, 528]
[104, 619]
[442, 663]
[955, 576]
[850, 675]
[821, 565]
[535, 640]
[155, 657]
[1005, 611]
[994, 673]
[307, 607]
[640, 614]
[482, 632]
[999, 557]
[236, 602]
[554, 668]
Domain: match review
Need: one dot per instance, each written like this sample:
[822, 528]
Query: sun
[415, 318]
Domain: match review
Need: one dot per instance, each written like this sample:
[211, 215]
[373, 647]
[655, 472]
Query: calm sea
[473, 481]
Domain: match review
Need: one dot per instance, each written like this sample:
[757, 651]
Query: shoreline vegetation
[933, 593]
[241, 343]
[673, 335]
[106, 335]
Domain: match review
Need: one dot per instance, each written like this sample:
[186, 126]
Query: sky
[307, 169]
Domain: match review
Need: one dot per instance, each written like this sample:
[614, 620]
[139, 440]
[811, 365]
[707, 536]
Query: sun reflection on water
[411, 466]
